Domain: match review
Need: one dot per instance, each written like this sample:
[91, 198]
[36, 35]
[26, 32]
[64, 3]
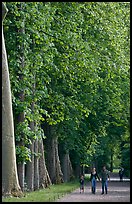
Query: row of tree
[69, 73]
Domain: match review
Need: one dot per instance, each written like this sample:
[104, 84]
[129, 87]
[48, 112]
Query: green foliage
[23, 154]
[76, 72]
[23, 129]
[125, 153]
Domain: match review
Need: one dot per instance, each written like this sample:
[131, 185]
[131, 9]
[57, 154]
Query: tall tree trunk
[71, 175]
[10, 183]
[77, 170]
[21, 116]
[21, 174]
[30, 165]
[21, 166]
[66, 167]
[50, 161]
[111, 161]
[44, 179]
[59, 174]
[36, 165]
[82, 169]
[53, 162]
[65, 162]
[30, 169]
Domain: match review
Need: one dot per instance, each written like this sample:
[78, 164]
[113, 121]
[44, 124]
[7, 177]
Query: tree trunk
[36, 166]
[21, 174]
[66, 167]
[21, 116]
[71, 175]
[77, 170]
[30, 165]
[82, 169]
[10, 183]
[21, 166]
[44, 179]
[30, 169]
[111, 161]
[65, 162]
[53, 162]
[59, 174]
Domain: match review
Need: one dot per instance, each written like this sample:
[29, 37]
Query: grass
[116, 170]
[46, 195]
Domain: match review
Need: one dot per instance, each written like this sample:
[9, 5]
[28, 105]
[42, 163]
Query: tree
[10, 183]
[52, 156]
[25, 95]
[44, 179]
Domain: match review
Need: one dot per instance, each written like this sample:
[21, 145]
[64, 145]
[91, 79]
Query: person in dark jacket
[121, 174]
[104, 177]
[93, 179]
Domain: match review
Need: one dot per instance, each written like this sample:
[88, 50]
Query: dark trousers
[121, 177]
[104, 186]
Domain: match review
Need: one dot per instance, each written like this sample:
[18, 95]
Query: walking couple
[104, 179]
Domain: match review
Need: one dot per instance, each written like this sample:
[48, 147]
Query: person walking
[81, 184]
[93, 179]
[104, 178]
[121, 174]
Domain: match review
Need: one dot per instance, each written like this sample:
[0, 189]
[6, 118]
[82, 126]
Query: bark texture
[65, 161]
[59, 174]
[21, 174]
[10, 183]
[44, 179]
[30, 165]
[66, 167]
[52, 157]
[36, 166]
[21, 166]
[30, 170]
[21, 116]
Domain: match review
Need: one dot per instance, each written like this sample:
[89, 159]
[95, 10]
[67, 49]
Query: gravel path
[117, 192]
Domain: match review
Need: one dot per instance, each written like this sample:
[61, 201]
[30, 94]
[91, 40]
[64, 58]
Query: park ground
[117, 192]
[70, 192]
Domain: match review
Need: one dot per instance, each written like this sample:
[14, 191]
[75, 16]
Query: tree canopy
[77, 73]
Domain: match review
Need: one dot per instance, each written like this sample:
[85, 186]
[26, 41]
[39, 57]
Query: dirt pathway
[117, 192]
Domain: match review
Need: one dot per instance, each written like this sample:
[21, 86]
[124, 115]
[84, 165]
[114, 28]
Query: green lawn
[46, 195]
[116, 170]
